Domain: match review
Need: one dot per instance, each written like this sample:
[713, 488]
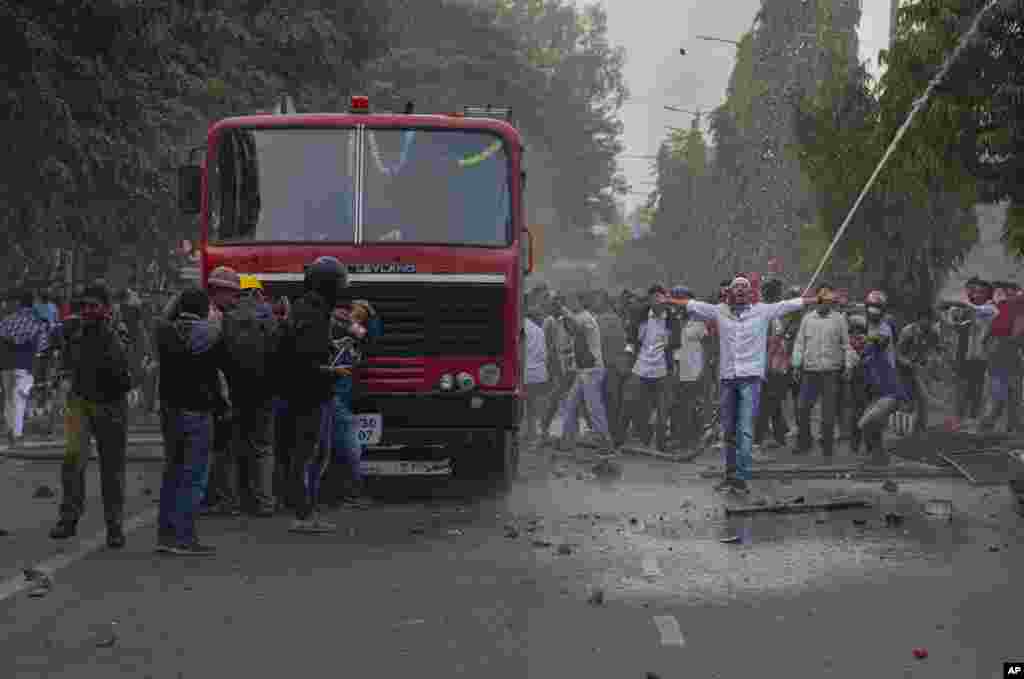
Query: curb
[849, 473]
[54, 450]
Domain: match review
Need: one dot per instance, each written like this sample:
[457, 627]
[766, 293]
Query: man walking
[742, 330]
[589, 376]
[617, 363]
[686, 426]
[653, 336]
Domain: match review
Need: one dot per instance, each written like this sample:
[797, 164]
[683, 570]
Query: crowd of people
[643, 368]
[254, 400]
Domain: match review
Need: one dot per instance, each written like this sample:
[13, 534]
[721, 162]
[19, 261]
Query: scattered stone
[798, 500]
[892, 519]
[564, 549]
[596, 597]
[511, 532]
[652, 675]
[43, 492]
[993, 548]
[920, 653]
[542, 544]
[106, 641]
[860, 522]
[890, 486]
[4, 532]
[147, 491]
[687, 504]
[417, 530]
[453, 532]
[940, 627]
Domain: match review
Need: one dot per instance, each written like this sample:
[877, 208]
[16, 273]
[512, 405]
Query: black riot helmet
[327, 277]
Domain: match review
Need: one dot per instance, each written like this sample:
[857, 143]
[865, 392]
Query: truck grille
[428, 319]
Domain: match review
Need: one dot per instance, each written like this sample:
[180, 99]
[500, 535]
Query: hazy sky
[652, 31]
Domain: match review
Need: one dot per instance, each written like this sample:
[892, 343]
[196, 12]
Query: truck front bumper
[439, 418]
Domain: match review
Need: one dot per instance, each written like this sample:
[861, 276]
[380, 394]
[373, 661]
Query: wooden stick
[788, 508]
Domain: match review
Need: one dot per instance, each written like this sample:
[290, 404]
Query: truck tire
[491, 457]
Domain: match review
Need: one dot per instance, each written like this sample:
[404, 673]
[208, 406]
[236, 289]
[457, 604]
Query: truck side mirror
[190, 182]
[527, 245]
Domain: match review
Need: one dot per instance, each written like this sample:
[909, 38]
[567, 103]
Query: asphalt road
[441, 581]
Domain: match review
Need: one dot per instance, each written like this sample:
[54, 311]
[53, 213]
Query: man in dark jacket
[188, 345]
[653, 337]
[95, 354]
[307, 382]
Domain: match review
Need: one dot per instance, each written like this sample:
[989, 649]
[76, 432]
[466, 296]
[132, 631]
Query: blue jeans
[188, 437]
[347, 449]
[740, 399]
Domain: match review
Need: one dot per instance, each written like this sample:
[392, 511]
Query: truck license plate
[406, 467]
[369, 427]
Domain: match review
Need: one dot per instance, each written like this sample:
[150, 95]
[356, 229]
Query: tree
[978, 107]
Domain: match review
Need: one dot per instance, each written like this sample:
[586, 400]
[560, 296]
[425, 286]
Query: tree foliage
[106, 96]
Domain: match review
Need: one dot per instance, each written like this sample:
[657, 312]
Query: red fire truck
[427, 212]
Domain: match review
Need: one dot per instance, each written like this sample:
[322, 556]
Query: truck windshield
[420, 186]
[436, 186]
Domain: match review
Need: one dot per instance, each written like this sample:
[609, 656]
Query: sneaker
[165, 546]
[307, 526]
[323, 525]
[740, 487]
[64, 530]
[11, 441]
[115, 537]
[723, 486]
[193, 549]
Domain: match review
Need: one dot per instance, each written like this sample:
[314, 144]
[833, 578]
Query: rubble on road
[793, 508]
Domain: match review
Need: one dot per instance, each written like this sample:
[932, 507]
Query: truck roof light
[360, 104]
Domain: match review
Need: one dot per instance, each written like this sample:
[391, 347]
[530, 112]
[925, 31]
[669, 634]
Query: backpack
[250, 340]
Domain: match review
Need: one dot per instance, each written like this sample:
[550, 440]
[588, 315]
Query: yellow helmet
[250, 282]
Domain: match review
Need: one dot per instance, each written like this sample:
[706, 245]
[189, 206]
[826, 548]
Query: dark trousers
[187, 439]
[773, 396]
[859, 398]
[642, 395]
[911, 377]
[248, 460]
[970, 393]
[218, 488]
[282, 434]
[106, 422]
[817, 385]
[303, 445]
[685, 413]
[614, 391]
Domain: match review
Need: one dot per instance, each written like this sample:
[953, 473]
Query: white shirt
[691, 354]
[650, 363]
[742, 338]
[536, 354]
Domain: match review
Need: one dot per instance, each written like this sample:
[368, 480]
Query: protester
[307, 383]
[352, 331]
[561, 352]
[858, 384]
[189, 351]
[776, 384]
[250, 336]
[536, 372]
[742, 334]
[918, 341]
[224, 286]
[617, 365]
[885, 392]
[972, 354]
[823, 355]
[685, 417]
[1004, 356]
[653, 336]
[23, 335]
[95, 355]
[590, 375]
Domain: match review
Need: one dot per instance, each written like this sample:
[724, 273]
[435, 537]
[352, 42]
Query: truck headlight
[447, 382]
[490, 374]
[465, 381]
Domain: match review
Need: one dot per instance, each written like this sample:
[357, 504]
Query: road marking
[651, 567]
[668, 626]
[18, 583]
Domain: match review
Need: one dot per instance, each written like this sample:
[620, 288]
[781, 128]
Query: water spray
[919, 103]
